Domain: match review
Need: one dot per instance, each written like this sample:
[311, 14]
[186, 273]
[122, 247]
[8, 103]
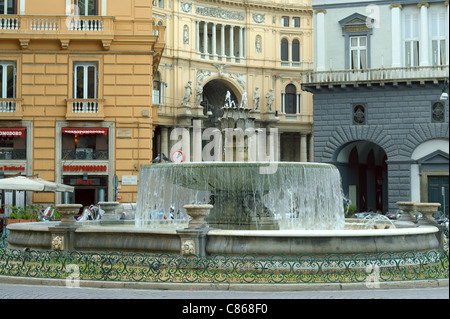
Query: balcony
[65, 28]
[11, 109]
[85, 109]
[381, 76]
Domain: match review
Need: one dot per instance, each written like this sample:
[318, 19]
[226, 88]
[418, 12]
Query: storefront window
[85, 144]
[12, 144]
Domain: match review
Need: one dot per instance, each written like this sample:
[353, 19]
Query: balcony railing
[376, 75]
[63, 28]
[85, 109]
[11, 108]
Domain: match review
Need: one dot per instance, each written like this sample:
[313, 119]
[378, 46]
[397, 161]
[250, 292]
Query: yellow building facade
[254, 50]
[76, 96]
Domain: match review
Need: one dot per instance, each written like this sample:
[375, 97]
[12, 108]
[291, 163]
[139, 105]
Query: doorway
[438, 192]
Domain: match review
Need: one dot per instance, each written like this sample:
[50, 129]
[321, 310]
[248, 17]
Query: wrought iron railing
[140, 267]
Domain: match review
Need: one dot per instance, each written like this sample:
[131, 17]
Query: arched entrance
[214, 93]
[364, 175]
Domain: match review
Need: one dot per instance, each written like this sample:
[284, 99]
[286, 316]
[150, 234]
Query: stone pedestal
[64, 232]
[193, 238]
[110, 215]
[407, 210]
[427, 210]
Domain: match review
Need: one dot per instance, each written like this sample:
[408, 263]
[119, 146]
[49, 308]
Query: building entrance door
[438, 192]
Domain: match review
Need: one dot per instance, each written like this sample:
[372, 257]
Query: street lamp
[444, 95]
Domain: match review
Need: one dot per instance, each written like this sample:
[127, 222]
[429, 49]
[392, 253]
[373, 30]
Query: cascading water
[300, 196]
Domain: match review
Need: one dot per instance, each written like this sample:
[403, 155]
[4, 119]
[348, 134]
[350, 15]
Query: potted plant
[22, 215]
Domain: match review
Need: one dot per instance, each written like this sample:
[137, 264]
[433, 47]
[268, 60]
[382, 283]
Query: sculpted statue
[270, 98]
[256, 98]
[187, 93]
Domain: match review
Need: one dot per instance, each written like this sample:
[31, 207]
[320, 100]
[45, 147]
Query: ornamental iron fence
[169, 268]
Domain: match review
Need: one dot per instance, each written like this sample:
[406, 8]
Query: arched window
[290, 99]
[295, 50]
[284, 50]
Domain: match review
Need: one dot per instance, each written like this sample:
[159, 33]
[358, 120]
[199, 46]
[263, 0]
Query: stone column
[205, 38]
[197, 31]
[424, 39]
[241, 43]
[303, 148]
[232, 41]
[214, 39]
[63, 233]
[165, 141]
[186, 148]
[222, 41]
[320, 31]
[197, 141]
[396, 35]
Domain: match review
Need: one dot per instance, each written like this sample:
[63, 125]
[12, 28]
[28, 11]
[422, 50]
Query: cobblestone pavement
[14, 291]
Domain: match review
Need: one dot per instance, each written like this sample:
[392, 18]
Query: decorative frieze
[186, 7]
[220, 13]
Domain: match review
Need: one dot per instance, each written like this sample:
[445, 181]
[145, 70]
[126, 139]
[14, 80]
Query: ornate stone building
[251, 50]
[75, 96]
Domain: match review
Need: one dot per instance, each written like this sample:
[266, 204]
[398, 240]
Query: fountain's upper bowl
[235, 176]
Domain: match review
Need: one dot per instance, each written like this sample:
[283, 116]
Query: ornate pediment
[356, 23]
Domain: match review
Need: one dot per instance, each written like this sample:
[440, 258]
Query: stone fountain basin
[236, 176]
[127, 238]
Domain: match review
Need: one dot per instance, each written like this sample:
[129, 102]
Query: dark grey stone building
[380, 70]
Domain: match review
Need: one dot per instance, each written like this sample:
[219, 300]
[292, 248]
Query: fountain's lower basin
[127, 238]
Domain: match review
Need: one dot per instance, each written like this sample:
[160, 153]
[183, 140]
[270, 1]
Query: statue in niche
[270, 98]
[256, 98]
[198, 95]
[244, 102]
[186, 35]
[187, 93]
[258, 45]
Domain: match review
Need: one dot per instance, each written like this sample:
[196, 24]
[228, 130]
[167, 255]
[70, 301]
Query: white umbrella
[33, 184]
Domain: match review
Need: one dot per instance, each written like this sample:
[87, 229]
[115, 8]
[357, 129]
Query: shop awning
[12, 131]
[85, 130]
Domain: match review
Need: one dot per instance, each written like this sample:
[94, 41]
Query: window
[438, 48]
[359, 115]
[8, 6]
[158, 90]
[358, 53]
[86, 7]
[296, 52]
[85, 143]
[437, 112]
[285, 21]
[296, 22]
[291, 100]
[411, 40]
[85, 80]
[158, 3]
[7, 80]
[284, 51]
[13, 143]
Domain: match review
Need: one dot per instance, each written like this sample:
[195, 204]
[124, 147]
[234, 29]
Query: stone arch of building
[342, 136]
[420, 133]
[215, 89]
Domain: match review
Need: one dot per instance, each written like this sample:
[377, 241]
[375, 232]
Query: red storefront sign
[12, 131]
[85, 130]
[85, 168]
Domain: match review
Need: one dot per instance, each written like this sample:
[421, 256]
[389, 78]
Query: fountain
[233, 208]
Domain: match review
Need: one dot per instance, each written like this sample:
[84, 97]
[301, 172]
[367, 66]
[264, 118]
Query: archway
[214, 93]
[364, 175]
